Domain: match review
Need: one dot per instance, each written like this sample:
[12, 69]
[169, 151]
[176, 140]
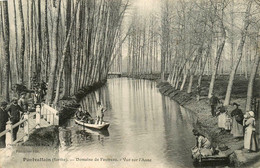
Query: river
[146, 129]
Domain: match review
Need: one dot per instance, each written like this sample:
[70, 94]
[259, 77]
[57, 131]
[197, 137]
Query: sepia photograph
[129, 83]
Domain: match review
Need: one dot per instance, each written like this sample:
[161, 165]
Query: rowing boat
[219, 156]
[102, 126]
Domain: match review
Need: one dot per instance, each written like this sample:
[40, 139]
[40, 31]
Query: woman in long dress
[237, 121]
[222, 115]
[250, 141]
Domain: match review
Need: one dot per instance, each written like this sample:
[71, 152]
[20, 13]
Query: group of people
[40, 90]
[12, 112]
[85, 116]
[238, 124]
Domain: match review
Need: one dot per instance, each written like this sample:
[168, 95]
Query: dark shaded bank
[208, 124]
[49, 136]
[68, 106]
[148, 76]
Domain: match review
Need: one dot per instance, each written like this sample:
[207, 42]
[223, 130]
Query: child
[228, 123]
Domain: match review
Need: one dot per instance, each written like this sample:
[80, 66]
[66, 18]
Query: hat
[3, 103]
[251, 113]
[195, 132]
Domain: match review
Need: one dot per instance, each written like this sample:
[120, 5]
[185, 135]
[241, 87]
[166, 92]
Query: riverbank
[208, 124]
[49, 136]
[68, 106]
[147, 76]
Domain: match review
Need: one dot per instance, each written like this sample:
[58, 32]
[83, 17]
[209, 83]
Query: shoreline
[208, 125]
[67, 110]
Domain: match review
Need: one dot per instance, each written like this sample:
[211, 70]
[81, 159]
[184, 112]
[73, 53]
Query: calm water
[146, 127]
[146, 130]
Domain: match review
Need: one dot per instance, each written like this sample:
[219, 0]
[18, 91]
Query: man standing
[213, 103]
[100, 113]
[3, 120]
[14, 112]
[22, 102]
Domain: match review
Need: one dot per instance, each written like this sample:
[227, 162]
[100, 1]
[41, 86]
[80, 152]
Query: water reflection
[89, 103]
[178, 134]
[143, 125]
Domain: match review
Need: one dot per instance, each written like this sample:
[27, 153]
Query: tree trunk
[47, 43]
[6, 69]
[67, 73]
[219, 53]
[54, 61]
[16, 43]
[39, 60]
[22, 48]
[64, 54]
[184, 79]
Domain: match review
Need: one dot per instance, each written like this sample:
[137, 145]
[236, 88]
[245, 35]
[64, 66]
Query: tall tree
[239, 53]
[54, 61]
[64, 55]
[253, 73]
[39, 60]
[16, 42]
[67, 68]
[22, 48]
[47, 42]
[6, 68]
[219, 48]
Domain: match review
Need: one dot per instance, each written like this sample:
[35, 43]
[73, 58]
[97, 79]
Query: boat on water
[216, 157]
[102, 126]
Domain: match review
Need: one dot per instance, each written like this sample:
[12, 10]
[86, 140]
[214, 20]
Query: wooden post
[52, 117]
[26, 127]
[48, 115]
[56, 118]
[9, 134]
[38, 117]
[44, 112]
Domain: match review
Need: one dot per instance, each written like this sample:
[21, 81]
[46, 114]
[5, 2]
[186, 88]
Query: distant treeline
[199, 37]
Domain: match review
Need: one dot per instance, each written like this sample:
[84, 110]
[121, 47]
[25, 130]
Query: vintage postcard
[129, 83]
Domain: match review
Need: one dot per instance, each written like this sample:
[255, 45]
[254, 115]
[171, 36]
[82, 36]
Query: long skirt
[222, 120]
[237, 129]
[250, 140]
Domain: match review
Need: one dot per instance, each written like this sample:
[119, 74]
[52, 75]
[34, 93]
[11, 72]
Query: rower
[100, 113]
[80, 114]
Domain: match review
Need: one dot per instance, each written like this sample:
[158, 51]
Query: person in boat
[237, 122]
[83, 115]
[250, 139]
[80, 114]
[100, 113]
[202, 147]
[87, 117]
